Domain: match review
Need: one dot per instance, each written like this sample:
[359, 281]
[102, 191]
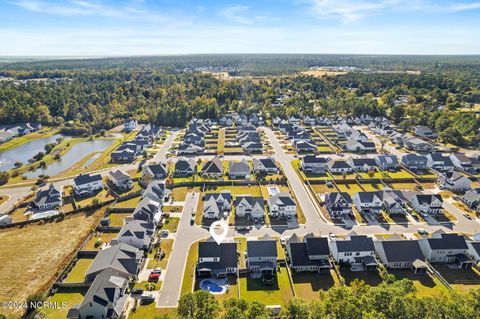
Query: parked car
[153, 277]
[422, 231]
[164, 233]
[192, 221]
[137, 291]
[146, 298]
[156, 271]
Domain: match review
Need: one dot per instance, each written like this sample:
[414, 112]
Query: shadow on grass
[317, 281]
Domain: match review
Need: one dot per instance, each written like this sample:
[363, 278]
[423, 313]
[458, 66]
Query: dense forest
[86, 96]
[392, 300]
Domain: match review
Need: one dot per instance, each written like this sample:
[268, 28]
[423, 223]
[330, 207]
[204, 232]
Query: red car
[153, 277]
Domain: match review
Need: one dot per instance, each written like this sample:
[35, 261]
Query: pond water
[75, 154]
[25, 152]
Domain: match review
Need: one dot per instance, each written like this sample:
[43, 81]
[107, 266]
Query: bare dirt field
[31, 257]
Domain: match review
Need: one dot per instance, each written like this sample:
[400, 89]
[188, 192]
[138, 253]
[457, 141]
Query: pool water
[212, 287]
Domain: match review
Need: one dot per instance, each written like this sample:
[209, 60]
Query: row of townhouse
[311, 164]
[393, 202]
[116, 265]
[314, 254]
[249, 139]
[307, 120]
[219, 205]
[194, 139]
[9, 132]
[442, 162]
[230, 119]
[128, 151]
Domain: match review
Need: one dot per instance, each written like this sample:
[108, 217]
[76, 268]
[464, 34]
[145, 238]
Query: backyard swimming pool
[214, 286]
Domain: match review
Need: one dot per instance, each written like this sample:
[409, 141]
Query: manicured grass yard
[171, 224]
[131, 203]
[279, 293]
[77, 274]
[308, 285]
[400, 174]
[460, 279]
[189, 274]
[371, 278]
[104, 237]
[72, 296]
[116, 219]
[144, 284]
[425, 284]
[150, 312]
[18, 215]
[180, 193]
[39, 249]
[349, 188]
[403, 186]
[372, 187]
[166, 246]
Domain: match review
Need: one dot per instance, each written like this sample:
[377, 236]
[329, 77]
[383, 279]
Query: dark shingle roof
[355, 243]
[86, 178]
[317, 245]
[262, 248]
[402, 250]
[448, 241]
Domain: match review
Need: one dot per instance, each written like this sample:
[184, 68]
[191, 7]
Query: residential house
[401, 254]
[212, 168]
[426, 203]
[136, 233]
[106, 297]
[416, 144]
[120, 257]
[282, 205]
[305, 146]
[314, 165]
[261, 258]
[154, 171]
[294, 120]
[308, 255]
[338, 204]
[217, 260]
[354, 145]
[354, 250]
[462, 162]
[86, 185]
[185, 167]
[156, 192]
[252, 147]
[124, 155]
[48, 198]
[308, 121]
[247, 206]
[439, 162]
[130, 125]
[472, 199]
[446, 248]
[121, 180]
[265, 166]
[454, 181]
[387, 162]
[5, 219]
[368, 202]
[339, 166]
[239, 170]
[189, 149]
[394, 202]
[147, 210]
[415, 162]
[362, 164]
[425, 131]
[217, 205]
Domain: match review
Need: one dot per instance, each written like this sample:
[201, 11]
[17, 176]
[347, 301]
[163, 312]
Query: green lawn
[151, 312]
[400, 174]
[371, 278]
[221, 141]
[166, 245]
[372, 187]
[189, 273]
[77, 274]
[171, 224]
[71, 296]
[279, 293]
[425, 284]
[349, 188]
[131, 203]
[144, 284]
[103, 237]
[308, 285]
[116, 219]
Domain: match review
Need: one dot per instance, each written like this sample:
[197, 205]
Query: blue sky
[147, 27]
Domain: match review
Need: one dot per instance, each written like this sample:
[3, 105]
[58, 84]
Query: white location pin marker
[219, 237]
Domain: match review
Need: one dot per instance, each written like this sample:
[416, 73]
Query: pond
[25, 152]
[74, 154]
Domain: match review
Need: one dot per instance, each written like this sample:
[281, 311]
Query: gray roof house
[185, 167]
[106, 297]
[426, 203]
[415, 162]
[136, 233]
[362, 164]
[239, 169]
[387, 162]
[439, 162]
[339, 166]
[212, 167]
[48, 198]
[472, 199]
[282, 205]
[355, 250]
[247, 206]
[85, 184]
[146, 210]
[121, 180]
[156, 192]
[216, 205]
[401, 254]
[425, 131]
[338, 203]
[261, 258]
[217, 260]
[123, 258]
[368, 202]
[156, 171]
[310, 254]
[454, 181]
[446, 248]
[314, 165]
[265, 166]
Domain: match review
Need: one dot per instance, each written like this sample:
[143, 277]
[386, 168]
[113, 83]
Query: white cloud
[240, 14]
[352, 10]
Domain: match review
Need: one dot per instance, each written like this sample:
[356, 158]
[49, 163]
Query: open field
[23, 258]
[318, 73]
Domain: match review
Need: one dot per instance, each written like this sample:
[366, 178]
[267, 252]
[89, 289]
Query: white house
[454, 181]
[427, 203]
[48, 198]
[121, 180]
[357, 251]
[446, 248]
[282, 205]
[249, 207]
[85, 184]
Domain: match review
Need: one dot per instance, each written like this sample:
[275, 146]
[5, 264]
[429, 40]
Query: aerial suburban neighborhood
[122, 221]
